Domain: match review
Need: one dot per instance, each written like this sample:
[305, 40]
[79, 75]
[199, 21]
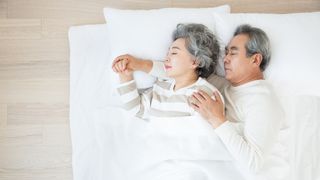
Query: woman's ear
[195, 64]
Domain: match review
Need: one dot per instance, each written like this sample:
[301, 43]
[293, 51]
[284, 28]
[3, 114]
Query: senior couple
[242, 107]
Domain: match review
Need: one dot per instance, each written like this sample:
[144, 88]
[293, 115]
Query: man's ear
[256, 59]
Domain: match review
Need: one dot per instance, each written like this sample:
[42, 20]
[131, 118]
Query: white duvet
[108, 145]
[173, 148]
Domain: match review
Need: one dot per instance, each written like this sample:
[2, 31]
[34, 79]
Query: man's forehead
[237, 42]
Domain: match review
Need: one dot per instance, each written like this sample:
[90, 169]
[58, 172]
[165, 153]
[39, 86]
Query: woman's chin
[168, 74]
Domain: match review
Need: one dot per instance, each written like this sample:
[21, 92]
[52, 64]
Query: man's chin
[227, 76]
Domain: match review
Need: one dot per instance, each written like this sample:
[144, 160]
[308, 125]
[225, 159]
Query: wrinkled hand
[122, 65]
[210, 109]
[130, 63]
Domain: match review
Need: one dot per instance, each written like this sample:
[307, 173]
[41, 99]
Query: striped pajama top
[161, 100]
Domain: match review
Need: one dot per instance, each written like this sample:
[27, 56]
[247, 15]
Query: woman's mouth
[167, 67]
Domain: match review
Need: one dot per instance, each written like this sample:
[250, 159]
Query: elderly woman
[192, 57]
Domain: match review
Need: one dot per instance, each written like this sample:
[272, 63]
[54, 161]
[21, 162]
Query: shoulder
[263, 97]
[219, 82]
[205, 86]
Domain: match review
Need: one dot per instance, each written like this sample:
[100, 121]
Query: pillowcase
[295, 38]
[147, 34]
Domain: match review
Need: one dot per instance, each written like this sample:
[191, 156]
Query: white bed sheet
[100, 133]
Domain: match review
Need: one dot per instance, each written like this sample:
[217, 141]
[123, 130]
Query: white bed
[102, 133]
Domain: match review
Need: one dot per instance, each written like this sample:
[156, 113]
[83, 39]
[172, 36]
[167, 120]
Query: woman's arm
[154, 68]
[134, 64]
[135, 103]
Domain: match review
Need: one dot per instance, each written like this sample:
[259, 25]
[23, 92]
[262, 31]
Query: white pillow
[148, 33]
[295, 41]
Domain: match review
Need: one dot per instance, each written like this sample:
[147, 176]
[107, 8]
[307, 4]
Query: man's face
[236, 63]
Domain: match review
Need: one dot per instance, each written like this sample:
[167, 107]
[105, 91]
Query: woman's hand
[121, 65]
[135, 64]
[210, 109]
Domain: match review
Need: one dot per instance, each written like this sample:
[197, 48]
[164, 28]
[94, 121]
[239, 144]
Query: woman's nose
[167, 58]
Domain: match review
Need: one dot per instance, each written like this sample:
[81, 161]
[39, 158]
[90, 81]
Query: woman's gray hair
[258, 43]
[202, 44]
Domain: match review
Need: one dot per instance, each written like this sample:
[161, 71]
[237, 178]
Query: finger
[117, 67]
[195, 107]
[125, 64]
[195, 100]
[122, 65]
[217, 96]
[114, 69]
[199, 97]
[204, 94]
[116, 60]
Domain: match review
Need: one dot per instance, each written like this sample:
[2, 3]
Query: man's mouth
[227, 69]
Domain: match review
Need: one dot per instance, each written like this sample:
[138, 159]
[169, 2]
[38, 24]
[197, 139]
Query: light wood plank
[37, 114]
[64, 173]
[3, 9]
[34, 157]
[75, 8]
[136, 4]
[34, 50]
[21, 135]
[278, 7]
[56, 135]
[58, 27]
[20, 28]
[34, 91]
[263, 6]
[3, 115]
[32, 70]
[51, 9]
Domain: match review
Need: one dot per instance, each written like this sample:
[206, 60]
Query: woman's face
[179, 61]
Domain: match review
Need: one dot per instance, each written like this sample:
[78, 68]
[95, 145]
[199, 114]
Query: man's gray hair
[258, 43]
[202, 44]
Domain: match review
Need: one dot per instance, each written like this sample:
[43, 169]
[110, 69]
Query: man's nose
[226, 58]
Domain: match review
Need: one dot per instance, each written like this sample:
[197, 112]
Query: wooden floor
[34, 75]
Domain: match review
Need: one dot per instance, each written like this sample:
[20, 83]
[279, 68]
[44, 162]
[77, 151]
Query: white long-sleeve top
[254, 132]
[255, 129]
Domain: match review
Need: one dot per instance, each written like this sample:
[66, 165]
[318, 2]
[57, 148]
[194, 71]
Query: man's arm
[262, 121]
[262, 118]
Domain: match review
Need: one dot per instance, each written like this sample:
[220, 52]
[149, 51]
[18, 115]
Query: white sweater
[254, 132]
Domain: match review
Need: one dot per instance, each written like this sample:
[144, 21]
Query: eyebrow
[175, 47]
[231, 48]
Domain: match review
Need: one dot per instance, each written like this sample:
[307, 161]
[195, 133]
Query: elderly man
[251, 126]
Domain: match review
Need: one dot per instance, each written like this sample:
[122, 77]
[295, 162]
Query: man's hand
[210, 109]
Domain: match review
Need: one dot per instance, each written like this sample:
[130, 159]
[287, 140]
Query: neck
[184, 81]
[253, 77]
